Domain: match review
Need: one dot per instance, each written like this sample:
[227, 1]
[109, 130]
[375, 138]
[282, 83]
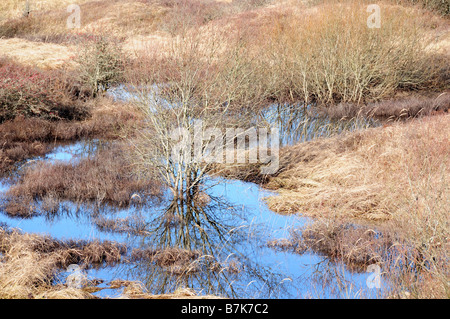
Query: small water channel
[237, 227]
[229, 234]
[296, 122]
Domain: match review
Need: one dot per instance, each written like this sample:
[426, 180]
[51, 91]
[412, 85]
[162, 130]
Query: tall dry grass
[105, 178]
[365, 174]
[38, 54]
[46, 20]
[29, 263]
[395, 175]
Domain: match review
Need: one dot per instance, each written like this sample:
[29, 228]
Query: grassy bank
[103, 178]
[24, 138]
[29, 263]
[377, 195]
[393, 178]
[364, 174]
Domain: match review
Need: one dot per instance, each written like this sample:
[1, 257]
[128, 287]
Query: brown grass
[400, 108]
[175, 260]
[42, 55]
[367, 174]
[33, 92]
[396, 175]
[24, 138]
[413, 267]
[355, 245]
[105, 178]
[136, 290]
[121, 18]
[29, 263]
[131, 225]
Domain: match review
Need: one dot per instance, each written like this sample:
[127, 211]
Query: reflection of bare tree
[202, 247]
[300, 123]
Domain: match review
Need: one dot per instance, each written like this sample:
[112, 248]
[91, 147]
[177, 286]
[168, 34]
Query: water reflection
[297, 122]
[300, 123]
[216, 246]
[207, 248]
[219, 248]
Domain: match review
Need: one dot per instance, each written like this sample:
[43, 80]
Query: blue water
[267, 272]
[295, 122]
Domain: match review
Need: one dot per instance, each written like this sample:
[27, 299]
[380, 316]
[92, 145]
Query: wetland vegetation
[108, 189]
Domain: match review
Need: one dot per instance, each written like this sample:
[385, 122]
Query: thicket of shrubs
[332, 56]
[31, 92]
[440, 6]
[101, 64]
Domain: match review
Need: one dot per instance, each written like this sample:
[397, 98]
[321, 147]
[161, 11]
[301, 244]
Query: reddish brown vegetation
[34, 93]
[355, 245]
[105, 178]
[24, 138]
[398, 108]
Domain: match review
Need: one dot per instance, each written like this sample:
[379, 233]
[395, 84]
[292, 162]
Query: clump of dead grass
[136, 290]
[364, 174]
[357, 246]
[105, 178]
[131, 225]
[25, 138]
[29, 263]
[175, 260]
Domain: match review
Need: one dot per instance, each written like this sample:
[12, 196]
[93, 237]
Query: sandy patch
[43, 55]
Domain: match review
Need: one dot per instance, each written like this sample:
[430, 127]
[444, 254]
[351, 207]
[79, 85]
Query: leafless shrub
[208, 82]
[326, 54]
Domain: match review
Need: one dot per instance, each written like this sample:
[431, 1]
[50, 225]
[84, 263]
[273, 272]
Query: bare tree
[206, 87]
